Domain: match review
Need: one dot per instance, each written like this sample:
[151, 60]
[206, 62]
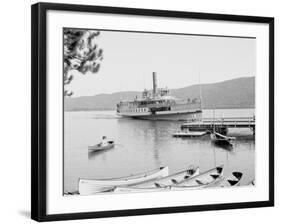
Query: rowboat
[230, 181]
[161, 183]
[221, 139]
[99, 147]
[189, 134]
[92, 186]
[200, 181]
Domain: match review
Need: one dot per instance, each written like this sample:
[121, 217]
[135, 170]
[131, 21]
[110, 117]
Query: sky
[129, 58]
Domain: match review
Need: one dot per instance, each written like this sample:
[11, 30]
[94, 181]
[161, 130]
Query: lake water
[145, 145]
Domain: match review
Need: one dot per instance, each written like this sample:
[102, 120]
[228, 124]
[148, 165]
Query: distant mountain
[234, 93]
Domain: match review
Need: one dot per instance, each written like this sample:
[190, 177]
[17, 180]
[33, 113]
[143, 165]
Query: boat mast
[200, 89]
[214, 129]
[120, 91]
[154, 84]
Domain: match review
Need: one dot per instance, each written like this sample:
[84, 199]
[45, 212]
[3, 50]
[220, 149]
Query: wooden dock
[220, 125]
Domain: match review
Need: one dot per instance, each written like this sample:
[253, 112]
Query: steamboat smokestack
[154, 83]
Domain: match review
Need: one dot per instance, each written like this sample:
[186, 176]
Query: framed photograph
[140, 111]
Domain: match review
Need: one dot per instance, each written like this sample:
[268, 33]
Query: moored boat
[221, 139]
[200, 181]
[135, 189]
[99, 147]
[161, 183]
[189, 134]
[231, 181]
[92, 186]
[177, 177]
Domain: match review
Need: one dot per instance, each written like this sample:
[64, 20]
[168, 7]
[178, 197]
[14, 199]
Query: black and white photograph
[139, 111]
[154, 111]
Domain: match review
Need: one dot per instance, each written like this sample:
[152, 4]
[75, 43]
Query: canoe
[177, 177]
[71, 193]
[231, 181]
[221, 139]
[252, 183]
[92, 186]
[161, 183]
[140, 189]
[98, 147]
[200, 181]
[189, 134]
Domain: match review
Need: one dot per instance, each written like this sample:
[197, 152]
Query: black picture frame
[39, 108]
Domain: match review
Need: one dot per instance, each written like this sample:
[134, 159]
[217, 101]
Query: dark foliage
[81, 53]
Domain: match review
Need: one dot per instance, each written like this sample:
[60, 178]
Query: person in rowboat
[104, 141]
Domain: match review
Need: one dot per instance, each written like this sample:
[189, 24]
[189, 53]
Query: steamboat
[158, 104]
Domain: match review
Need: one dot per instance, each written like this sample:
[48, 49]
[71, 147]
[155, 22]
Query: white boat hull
[98, 147]
[197, 181]
[201, 181]
[89, 186]
[161, 184]
[221, 139]
[166, 115]
[190, 134]
[232, 180]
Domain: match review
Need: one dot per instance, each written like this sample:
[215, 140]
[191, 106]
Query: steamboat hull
[167, 116]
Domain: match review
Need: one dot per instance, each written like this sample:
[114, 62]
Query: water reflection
[94, 155]
[151, 135]
[225, 146]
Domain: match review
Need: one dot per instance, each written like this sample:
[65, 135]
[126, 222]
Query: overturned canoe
[92, 186]
[161, 183]
[231, 181]
[200, 181]
[99, 147]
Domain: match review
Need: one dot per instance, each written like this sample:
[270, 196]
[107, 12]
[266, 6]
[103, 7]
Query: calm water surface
[144, 145]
